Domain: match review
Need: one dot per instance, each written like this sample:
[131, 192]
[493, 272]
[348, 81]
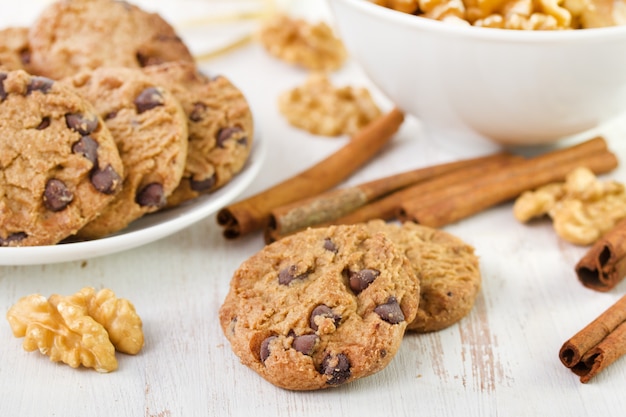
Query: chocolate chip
[390, 311]
[81, 123]
[336, 367]
[110, 115]
[226, 133]
[148, 99]
[265, 348]
[203, 185]
[106, 180]
[3, 93]
[13, 237]
[232, 325]
[324, 311]
[56, 195]
[286, 275]
[198, 111]
[329, 245]
[362, 279]
[42, 84]
[25, 56]
[87, 147]
[305, 343]
[45, 122]
[151, 195]
[145, 60]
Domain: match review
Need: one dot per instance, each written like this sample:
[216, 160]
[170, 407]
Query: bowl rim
[487, 34]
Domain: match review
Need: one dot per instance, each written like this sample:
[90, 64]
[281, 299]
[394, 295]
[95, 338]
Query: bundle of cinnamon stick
[433, 196]
[597, 345]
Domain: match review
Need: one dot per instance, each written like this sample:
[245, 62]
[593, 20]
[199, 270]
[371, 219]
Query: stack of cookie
[105, 117]
[327, 306]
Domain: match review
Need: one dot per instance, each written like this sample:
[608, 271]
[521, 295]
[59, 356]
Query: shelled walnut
[116, 315]
[81, 329]
[582, 208]
[321, 108]
[296, 41]
[517, 14]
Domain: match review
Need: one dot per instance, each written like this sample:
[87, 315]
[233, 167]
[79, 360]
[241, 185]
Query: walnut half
[582, 208]
[321, 108]
[299, 42]
[82, 329]
[117, 315]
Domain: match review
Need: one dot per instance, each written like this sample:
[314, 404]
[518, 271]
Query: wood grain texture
[501, 360]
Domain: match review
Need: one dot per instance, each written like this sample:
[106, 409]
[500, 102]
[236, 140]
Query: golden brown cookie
[59, 166]
[72, 35]
[150, 130]
[447, 269]
[14, 48]
[220, 127]
[320, 308]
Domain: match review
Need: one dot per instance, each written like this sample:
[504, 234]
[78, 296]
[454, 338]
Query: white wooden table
[501, 360]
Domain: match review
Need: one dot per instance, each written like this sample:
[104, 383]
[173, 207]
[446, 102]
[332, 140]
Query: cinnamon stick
[325, 208]
[598, 344]
[386, 208]
[252, 213]
[462, 200]
[604, 264]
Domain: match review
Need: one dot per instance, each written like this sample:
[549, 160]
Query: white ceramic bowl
[468, 83]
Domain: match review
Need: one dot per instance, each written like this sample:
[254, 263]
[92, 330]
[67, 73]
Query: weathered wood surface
[500, 360]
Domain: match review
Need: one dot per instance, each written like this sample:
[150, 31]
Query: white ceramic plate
[146, 229]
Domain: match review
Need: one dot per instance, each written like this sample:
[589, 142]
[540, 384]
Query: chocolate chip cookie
[14, 48]
[59, 165]
[447, 268]
[71, 35]
[150, 130]
[220, 127]
[320, 308]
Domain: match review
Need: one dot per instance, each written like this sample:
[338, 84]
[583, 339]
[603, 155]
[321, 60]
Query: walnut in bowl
[479, 86]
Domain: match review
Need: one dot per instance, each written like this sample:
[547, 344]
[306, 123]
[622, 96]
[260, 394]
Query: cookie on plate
[220, 127]
[14, 48]
[150, 131]
[447, 268]
[320, 308]
[59, 165]
[72, 35]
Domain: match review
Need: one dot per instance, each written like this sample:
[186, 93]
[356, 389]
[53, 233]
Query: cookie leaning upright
[59, 166]
[72, 35]
[320, 308]
[150, 131]
[446, 266]
[220, 127]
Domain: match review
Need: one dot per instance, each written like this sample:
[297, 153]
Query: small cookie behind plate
[447, 268]
[59, 165]
[320, 308]
[150, 130]
[220, 127]
[73, 35]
